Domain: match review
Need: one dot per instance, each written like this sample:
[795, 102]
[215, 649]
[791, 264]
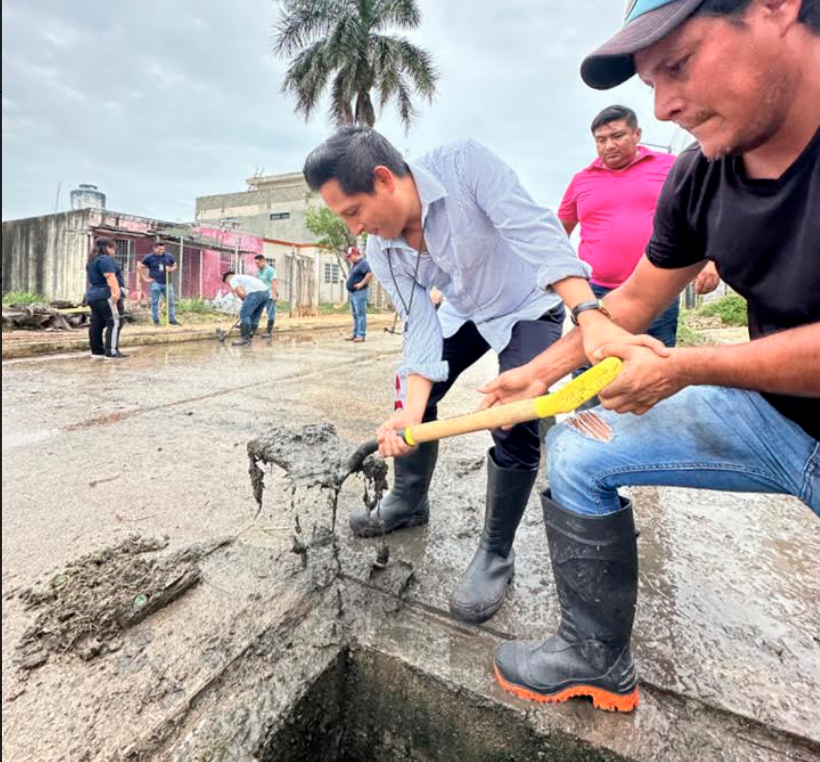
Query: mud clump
[88, 605]
[311, 457]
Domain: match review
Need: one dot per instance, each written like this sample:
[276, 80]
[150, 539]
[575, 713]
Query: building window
[332, 274]
[121, 256]
[280, 215]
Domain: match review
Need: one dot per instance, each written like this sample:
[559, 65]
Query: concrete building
[48, 254]
[274, 207]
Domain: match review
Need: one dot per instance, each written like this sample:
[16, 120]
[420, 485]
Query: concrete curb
[144, 336]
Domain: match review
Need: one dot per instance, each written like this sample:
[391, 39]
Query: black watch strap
[592, 304]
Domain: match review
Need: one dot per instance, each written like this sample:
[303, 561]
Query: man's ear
[638, 133]
[384, 177]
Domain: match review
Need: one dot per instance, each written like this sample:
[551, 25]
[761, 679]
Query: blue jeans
[157, 291]
[253, 305]
[358, 307]
[271, 311]
[706, 437]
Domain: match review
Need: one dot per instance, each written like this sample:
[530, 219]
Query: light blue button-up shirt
[491, 250]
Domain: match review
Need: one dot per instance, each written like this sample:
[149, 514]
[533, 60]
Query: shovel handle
[565, 400]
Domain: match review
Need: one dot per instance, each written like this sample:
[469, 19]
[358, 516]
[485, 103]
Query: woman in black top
[104, 296]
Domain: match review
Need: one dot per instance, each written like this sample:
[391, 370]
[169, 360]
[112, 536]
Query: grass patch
[23, 297]
[730, 309]
[688, 337]
[197, 305]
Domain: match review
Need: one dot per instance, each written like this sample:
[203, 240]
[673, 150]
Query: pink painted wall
[214, 263]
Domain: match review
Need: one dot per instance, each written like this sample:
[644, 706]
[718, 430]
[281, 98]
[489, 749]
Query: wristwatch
[592, 304]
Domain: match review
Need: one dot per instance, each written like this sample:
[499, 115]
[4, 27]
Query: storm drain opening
[371, 707]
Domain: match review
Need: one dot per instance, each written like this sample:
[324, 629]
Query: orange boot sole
[601, 699]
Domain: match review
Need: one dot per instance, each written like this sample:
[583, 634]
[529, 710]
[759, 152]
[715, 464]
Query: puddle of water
[23, 438]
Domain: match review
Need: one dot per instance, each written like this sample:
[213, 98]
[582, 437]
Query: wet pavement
[727, 635]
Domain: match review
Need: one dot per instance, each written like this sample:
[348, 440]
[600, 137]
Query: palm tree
[342, 41]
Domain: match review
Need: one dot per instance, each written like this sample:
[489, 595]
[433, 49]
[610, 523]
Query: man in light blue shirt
[457, 218]
[266, 272]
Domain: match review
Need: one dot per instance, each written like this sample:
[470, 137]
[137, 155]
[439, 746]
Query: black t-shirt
[763, 236]
[97, 269]
[357, 274]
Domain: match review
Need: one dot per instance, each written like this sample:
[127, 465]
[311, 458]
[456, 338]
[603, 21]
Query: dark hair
[100, 246]
[159, 243]
[226, 274]
[261, 256]
[613, 114]
[809, 11]
[349, 156]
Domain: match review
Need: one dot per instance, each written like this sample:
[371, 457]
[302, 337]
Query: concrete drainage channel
[370, 707]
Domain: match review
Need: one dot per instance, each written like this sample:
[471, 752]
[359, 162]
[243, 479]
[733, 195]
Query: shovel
[222, 335]
[565, 400]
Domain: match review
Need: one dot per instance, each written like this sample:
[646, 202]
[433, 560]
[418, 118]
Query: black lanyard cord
[407, 306]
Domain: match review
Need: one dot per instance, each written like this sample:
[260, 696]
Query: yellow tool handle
[565, 400]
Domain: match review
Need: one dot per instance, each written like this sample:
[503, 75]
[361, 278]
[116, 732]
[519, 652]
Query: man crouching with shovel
[458, 218]
[742, 78]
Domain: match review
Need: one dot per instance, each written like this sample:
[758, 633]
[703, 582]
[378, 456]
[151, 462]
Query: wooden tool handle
[566, 399]
[492, 418]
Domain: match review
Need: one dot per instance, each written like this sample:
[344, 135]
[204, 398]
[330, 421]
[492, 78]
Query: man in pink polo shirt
[614, 200]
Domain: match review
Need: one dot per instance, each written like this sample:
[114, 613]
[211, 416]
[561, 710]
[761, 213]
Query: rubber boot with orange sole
[595, 565]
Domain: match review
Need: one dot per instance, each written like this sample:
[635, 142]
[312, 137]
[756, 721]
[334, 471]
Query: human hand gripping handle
[566, 399]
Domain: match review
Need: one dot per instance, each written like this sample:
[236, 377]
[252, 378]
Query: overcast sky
[160, 102]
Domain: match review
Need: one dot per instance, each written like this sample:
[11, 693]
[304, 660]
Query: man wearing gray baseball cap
[743, 77]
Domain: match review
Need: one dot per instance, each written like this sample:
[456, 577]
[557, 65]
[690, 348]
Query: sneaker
[95, 356]
[352, 337]
[115, 355]
[358, 340]
[175, 322]
[156, 323]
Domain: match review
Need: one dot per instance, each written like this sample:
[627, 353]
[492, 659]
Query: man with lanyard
[742, 78]
[457, 218]
[358, 282]
[154, 269]
[267, 274]
[255, 296]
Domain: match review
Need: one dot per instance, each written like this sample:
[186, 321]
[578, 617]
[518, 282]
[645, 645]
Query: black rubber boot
[484, 585]
[268, 331]
[595, 564]
[245, 336]
[406, 505]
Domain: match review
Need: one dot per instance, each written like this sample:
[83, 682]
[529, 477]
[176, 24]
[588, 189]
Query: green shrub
[23, 297]
[687, 337]
[194, 305]
[730, 309]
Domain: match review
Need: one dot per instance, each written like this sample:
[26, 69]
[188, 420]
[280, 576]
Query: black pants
[519, 447]
[105, 316]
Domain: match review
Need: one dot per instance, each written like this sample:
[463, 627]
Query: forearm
[573, 291]
[783, 363]
[567, 354]
[417, 395]
[114, 287]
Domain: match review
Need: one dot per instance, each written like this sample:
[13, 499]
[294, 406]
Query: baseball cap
[351, 252]
[645, 22]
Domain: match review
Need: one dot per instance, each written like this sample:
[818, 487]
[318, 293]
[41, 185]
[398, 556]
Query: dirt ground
[153, 450]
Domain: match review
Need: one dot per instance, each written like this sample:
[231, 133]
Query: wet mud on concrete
[86, 607]
[727, 621]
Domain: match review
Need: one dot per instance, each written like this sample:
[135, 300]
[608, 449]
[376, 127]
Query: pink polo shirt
[615, 209]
